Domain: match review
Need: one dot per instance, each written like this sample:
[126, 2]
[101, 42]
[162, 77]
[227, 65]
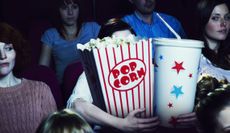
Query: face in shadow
[7, 58]
[69, 13]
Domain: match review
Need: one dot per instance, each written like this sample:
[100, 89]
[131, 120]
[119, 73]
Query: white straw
[169, 27]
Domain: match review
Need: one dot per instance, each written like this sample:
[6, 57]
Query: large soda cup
[175, 77]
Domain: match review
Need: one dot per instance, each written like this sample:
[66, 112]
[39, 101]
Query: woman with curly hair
[24, 103]
[213, 106]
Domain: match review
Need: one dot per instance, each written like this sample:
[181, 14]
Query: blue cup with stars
[175, 77]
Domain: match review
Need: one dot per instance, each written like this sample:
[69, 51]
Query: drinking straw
[168, 26]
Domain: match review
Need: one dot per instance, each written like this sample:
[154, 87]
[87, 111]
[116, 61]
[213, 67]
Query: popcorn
[108, 42]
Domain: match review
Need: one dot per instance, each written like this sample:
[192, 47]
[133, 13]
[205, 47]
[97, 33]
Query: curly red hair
[10, 35]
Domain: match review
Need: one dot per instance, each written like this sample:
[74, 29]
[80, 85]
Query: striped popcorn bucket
[123, 78]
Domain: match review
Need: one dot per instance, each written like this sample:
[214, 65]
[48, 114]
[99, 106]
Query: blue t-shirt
[157, 28]
[65, 52]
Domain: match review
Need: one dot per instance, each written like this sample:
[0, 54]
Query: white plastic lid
[178, 42]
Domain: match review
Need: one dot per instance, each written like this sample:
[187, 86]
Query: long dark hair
[203, 13]
[57, 22]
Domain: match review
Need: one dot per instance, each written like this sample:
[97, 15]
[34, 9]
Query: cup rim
[179, 42]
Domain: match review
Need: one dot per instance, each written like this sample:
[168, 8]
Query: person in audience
[213, 106]
[146, 23]
[60, 42]
[214, 17]
[82, 102]
[64, 121]
[214, 23]
[24, 103]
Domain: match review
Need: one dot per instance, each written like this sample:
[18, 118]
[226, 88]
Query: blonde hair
[64, 121]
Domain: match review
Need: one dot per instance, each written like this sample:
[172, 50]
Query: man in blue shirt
[147, 24]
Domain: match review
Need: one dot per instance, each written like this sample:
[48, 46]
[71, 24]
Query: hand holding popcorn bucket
[175, 77]
[119, 73]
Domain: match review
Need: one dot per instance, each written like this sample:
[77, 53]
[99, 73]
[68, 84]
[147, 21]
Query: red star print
[173, 121]
[190, 75]
[178, 67]
[170, 105]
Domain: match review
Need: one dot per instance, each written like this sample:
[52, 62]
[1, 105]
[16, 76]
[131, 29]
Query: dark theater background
[33, 17]
[25, 13]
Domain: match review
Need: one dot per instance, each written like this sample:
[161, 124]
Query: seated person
[64, 121]
[60, 42]
[81, 99]
[24, 103]
[146, 23]
[214, 25]
[213, 18]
